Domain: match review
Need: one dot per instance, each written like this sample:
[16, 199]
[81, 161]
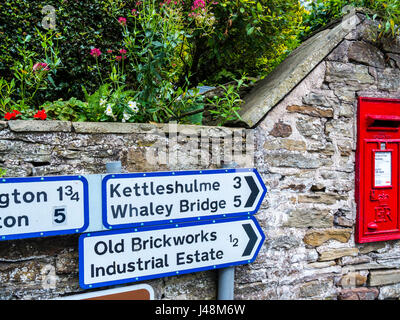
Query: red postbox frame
[368, 111]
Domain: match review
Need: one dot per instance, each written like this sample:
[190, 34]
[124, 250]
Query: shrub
[320, 12]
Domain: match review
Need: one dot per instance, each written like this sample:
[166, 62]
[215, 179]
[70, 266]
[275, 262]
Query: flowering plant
[41, 115]
[12, 115]
[33, 73]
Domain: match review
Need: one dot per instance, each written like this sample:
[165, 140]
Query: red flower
[10, 116]
[122, 21]
[41, 114]
[122, 51]
[95, 52]
[16, 112]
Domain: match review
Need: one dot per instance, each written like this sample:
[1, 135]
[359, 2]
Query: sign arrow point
[252, 239]
[254, 191]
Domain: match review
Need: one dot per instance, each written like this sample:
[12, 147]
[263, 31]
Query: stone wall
[48, 268]
[306, 154]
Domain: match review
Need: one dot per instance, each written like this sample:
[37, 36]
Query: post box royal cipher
[377, 170]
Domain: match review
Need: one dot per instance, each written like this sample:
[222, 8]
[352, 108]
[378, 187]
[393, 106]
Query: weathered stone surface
[345, 147]
[358, 294]
[365, 53]
[389, 292]
[281, 129]
[389, 79]
[109, 127]
[3, 125]
[352, 279]
[39, 126]
[340, 52]
[325, 98]
[306, 218]
[379, 278]
[314, 288]
[293, 160]
[287, 144]
[339, 128]
[311, 111]
[318, 237]
[348, 73]
[332, 254]
[324, 198]
[310, 128]
[395, 58]
[203, 284]
[372, 246]
[67, 262]
[390, 45]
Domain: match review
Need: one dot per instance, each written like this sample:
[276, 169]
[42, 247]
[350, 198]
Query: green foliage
[322, 12]
[2, 172]
[82, 25]
[170, 49]
[33, 72]
[6, 95]
[70, 110]
[246, 37]
[108, 104]
[226, 108]
[151, 43]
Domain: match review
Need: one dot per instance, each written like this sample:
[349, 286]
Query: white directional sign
[129, 255]
[141, 199]
[42, 206]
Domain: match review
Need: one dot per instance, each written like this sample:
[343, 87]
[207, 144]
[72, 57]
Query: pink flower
[40, 66]
[134, 12]
[122, 51]
[109, 51]
[95, 52]
[198, 4]
[122, 21]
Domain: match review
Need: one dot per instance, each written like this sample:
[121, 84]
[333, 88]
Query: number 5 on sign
[43, 206]
[60, 215]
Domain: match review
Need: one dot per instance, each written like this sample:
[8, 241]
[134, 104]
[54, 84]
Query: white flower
[102, 102]
[109, 110]
[126, 116]
[133, 106]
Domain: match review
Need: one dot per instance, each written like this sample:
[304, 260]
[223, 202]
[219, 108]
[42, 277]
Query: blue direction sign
[43, 206]
[129, 255]
[140, 199]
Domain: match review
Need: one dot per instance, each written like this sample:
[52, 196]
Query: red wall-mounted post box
[377, 170]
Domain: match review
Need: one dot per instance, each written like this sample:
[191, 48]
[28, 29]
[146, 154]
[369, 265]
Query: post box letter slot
[380, 122]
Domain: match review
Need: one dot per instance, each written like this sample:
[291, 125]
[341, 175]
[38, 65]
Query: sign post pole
[226, 276]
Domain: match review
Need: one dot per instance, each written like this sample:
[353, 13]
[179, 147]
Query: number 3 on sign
[59, 215]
